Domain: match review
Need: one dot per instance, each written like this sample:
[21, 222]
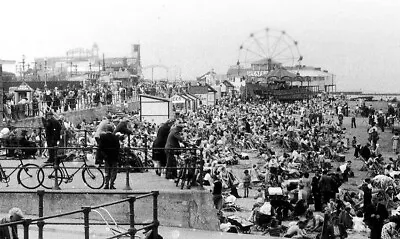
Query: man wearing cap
[174, 137]
[11, 232]
[100, 129]
[109, 146]
[159, 155]
[52, 128]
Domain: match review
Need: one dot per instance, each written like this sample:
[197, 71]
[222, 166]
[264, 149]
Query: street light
[45, 71]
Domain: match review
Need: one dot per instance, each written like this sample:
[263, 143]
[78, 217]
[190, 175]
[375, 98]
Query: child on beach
[395, 140]
[246, 183]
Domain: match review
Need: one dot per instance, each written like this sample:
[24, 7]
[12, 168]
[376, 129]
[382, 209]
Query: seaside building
[88, 63]
[313, 77]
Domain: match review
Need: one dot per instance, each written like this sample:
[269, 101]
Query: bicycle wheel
[28, 176]
[47, 174]
[93, 177]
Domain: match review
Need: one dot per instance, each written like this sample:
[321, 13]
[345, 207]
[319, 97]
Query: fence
[22, 111]
[184, 169]
[41, 220]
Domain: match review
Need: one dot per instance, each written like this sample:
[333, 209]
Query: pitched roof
[235, 71]
[280, 73]
[153, 97]
[201, 89]
[228, 83]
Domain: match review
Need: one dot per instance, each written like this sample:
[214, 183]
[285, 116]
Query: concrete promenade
[177, 208]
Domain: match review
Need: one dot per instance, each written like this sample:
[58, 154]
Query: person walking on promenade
[109, 147]
[52, 128]
[9, 232]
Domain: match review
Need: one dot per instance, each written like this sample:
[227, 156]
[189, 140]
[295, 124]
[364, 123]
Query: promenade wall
[185, 209]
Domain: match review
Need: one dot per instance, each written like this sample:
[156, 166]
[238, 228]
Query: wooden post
[1, 94]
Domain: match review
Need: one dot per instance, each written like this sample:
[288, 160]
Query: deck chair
[112, 226]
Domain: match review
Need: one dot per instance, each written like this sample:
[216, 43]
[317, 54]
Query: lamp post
[45, 72]
[22, 68]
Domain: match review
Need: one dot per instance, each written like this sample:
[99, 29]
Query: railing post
[56, 167]
[155, 215]
[127, 183]
[201, 168]
[132, 229]
[86, 211]
[26, 224]
[40, 140]
[40, 223]
[145, 153]
[85, 138]
[64, 151]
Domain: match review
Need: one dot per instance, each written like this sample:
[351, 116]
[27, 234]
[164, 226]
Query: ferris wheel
[269, 49]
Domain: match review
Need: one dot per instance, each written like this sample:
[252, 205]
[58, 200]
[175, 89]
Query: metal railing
[197, 165]
[41, 220]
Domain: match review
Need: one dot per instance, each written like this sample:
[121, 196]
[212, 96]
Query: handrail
[57, 215]
[110, 203]
[41, 220]
[144, 196]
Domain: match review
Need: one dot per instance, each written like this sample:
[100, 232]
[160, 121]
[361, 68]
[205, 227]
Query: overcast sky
[357, 40]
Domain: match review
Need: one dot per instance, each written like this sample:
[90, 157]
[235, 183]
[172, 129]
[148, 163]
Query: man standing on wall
[109, 146]
[174, 137]
[52, 128]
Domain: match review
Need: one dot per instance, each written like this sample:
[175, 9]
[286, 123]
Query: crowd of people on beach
[293, 147]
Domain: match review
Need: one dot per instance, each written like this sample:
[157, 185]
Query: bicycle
[26, 176]
[187, 173]
[92, 176]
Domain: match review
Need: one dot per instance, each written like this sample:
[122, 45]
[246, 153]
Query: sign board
[256, 73]
[177, 99]
[116, 62]
[154, 109]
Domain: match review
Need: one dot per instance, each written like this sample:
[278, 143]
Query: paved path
[147, 181]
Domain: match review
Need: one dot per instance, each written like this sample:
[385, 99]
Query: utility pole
[45, 71]
[104, 63]
[35, 69]
[22, 68]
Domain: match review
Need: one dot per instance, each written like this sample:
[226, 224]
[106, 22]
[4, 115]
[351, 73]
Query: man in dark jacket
[365, 152]
[174, 137]
[374, 217]
[52, 128]
[326, 187]
[159, 155]
[109, 146]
